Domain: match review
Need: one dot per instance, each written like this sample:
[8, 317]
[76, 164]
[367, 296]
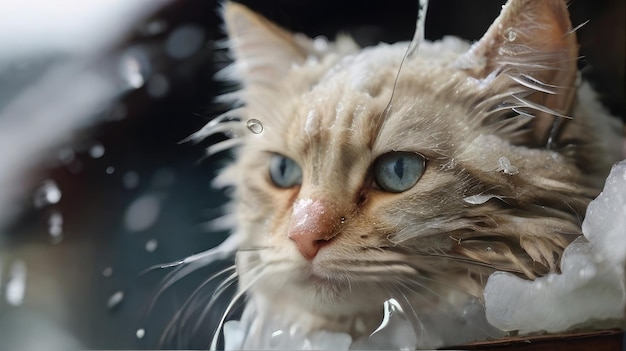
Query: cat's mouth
[375, 265]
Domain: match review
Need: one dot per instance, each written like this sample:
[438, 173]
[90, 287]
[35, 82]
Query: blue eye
[285, 172]
[396, 172]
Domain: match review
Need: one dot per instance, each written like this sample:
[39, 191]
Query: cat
[372, 174]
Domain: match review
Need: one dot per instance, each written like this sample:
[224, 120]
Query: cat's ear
[532, 44]
[263, 51]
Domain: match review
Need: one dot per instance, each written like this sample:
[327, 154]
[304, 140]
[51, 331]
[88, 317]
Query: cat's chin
[317, 303]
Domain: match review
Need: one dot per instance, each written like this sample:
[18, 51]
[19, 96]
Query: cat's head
[368, 181]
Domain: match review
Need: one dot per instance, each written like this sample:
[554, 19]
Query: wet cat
[363, 181]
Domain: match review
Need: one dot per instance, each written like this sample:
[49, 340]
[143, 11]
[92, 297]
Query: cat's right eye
[284, 172]
[396, 172]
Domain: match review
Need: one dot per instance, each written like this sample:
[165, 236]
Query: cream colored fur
[481, 116]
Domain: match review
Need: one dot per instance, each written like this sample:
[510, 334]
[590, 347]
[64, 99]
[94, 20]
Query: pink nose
[313, 224]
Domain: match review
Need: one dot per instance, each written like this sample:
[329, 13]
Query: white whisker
[222, 146]
[578, 27]
[533, 83]
[208, 129]
[539, 107]
[230, 306]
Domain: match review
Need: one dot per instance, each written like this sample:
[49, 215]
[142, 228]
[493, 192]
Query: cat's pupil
[398, 171]
[284, 172]
[398, 168]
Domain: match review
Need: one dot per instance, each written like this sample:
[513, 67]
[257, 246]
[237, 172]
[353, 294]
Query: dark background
[67, 292]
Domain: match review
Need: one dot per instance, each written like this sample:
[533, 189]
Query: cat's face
[362, 187]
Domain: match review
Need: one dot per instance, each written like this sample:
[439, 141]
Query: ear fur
[533, 44]
[263, 51]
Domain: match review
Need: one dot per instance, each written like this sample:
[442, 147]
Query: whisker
[533, 83]
[180, 316]
[222, 146]
[230, 306]
[207, 307]
[578, 27]
[541, 108]
[186, 266]
[207, 129]
[523, 113]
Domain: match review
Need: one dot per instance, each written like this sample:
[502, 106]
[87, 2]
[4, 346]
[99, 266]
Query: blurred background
[95, 184]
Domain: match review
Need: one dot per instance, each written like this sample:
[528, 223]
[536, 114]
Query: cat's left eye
[398, 171]
[284, 172]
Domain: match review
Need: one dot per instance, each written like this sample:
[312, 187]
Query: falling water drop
[55, 227]
[154, 27]
[66, 155]
[184, 41]
[96, 151]
[151, 245]
[134, 67]
[16, 284]
[48, 193]
[107, 272]
[115, 299]
[142, 213]
[140, 333]
[130, 179]
[255, 126]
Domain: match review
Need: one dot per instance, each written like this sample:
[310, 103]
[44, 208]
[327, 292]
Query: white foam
[591, 285]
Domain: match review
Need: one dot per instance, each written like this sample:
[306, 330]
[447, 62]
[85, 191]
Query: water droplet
[47, 193]
[390, 308]
[140, 333]
[96, 151]
[342, 220]
[504, 165]
[115, 299]
[154, 27]
[66, 155]
[134, 68]
[16, 284]
[107, 272]
[130, 179]
[488, 249]
[158, 86]
[184, 41]
[511, 34]
[255, 126]
[151, 245]
[478, 199]
[142, 213]
[110, 170]
[55, 227]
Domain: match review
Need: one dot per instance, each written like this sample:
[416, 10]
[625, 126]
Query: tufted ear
[263, 52]
[532, 43]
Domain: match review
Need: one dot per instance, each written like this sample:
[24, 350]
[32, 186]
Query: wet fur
[466, 109]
